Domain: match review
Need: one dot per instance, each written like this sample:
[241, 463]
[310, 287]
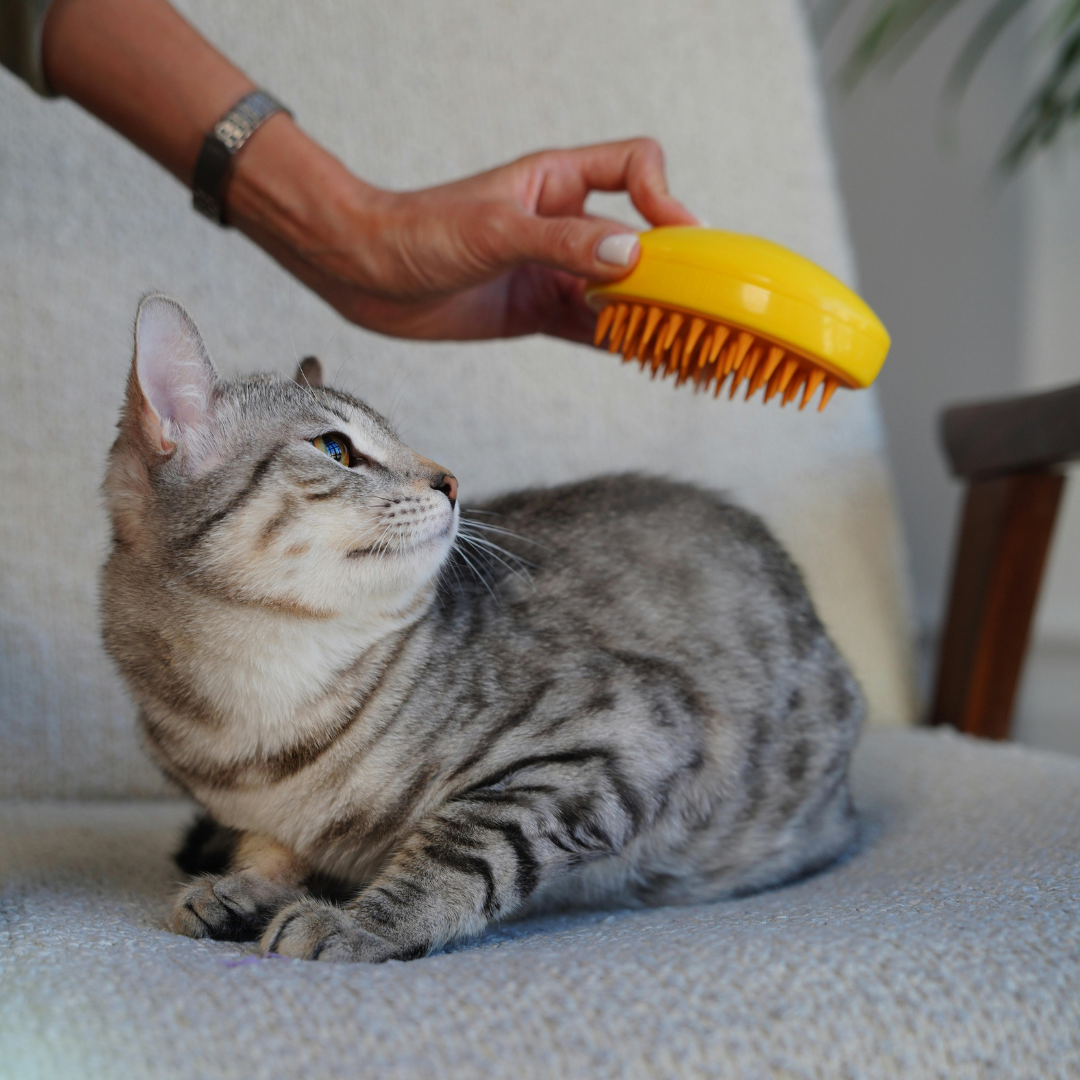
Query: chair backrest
[408, 94]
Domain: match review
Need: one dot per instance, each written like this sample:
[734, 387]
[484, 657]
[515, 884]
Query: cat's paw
[235, 907]
[314, 930]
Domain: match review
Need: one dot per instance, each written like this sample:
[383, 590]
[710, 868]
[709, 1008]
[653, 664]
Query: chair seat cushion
[947, 945]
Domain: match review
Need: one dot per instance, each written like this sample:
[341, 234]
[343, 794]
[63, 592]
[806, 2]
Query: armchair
[1009, 453]
[945, 946]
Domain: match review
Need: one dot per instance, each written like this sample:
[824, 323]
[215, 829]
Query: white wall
[978, 280]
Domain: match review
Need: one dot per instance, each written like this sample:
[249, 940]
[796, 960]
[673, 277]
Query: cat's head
[265, 491]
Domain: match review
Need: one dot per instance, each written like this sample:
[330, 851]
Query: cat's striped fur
[632, 703]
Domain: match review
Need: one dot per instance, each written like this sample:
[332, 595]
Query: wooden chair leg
[1005, 535]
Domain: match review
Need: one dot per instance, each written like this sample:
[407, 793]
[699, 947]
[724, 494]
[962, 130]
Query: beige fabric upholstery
[947, 947]
[410, 93]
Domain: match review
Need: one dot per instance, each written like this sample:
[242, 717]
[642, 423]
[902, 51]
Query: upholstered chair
[945, 945]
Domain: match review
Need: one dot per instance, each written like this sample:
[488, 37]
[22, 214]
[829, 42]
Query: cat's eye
[333, 446]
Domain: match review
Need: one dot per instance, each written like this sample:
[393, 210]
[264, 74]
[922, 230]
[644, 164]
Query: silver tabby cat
[628, 701]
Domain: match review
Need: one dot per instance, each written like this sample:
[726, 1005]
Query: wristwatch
[214, 164]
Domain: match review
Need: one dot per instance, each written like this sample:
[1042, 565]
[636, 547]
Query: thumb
[593, 248]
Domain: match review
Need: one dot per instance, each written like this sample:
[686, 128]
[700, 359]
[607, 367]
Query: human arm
[499, 254]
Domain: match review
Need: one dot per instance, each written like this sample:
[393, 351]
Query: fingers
[646, 183]
[551, 226]
[588, 247]
[559, 181]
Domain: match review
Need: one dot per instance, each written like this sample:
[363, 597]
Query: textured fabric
[412, 93]
[21, 23]
[948, 946]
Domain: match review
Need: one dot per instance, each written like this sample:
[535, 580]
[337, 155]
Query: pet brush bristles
[704, 351]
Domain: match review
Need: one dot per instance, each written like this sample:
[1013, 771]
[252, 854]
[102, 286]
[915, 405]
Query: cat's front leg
[263, 878]
[478, 858]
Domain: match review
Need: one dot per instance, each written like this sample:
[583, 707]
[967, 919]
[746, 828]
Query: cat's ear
[172, 379]
[309, 373]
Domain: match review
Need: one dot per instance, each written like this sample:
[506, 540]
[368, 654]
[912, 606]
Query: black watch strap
[220, 146]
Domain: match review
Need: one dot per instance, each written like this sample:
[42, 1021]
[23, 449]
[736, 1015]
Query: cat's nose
[447, 484]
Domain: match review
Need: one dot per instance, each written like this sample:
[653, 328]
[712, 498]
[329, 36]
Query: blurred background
[976, 273]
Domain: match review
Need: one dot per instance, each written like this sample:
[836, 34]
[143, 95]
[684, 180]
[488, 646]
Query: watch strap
[220, 147]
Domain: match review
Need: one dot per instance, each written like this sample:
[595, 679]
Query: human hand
[500, 254]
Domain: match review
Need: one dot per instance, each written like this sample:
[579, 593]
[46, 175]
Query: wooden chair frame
[1010, 453]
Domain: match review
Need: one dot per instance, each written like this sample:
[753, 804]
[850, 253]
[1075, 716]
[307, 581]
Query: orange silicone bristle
[746, 339]
[637, 313]
[831, 383]
[720, 335]
[654, 317]
[746, 369]
[764, 371]
[794, 386]
[674, 358]
[705, 351]
[673, 325]
[813, 381]
[617, 326]
[659, 346]
[697, 326]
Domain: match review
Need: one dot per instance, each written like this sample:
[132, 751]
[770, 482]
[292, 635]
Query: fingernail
[618, 250]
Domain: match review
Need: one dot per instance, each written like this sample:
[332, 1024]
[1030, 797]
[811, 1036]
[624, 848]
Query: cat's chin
[441, 542]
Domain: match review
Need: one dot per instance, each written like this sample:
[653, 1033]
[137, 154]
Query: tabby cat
[615, 692]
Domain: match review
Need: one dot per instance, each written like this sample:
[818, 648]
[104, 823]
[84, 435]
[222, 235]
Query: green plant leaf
[894, 29]
[1059, 24]
[978, 45]
[1055, 102]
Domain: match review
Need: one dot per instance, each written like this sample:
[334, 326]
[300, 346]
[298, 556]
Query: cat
[614, 692]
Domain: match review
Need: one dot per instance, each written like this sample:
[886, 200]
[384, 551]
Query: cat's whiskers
[296, 357]
[363, 538]
[450, 566]
[464, 531]
[333, 338]
[467, 527]
[488, 527]
[380, 546]
[496, 552]
[491, 551]
[480, 577]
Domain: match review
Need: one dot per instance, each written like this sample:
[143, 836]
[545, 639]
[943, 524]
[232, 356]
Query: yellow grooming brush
[703, 304]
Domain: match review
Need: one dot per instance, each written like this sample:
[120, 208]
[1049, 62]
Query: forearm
[140, 67]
